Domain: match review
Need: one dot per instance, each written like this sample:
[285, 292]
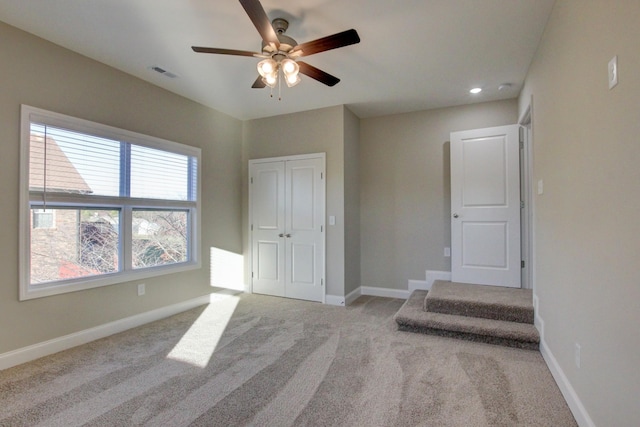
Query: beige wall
[405, 189]
[38, 73]
[587, 152]
[317, 131]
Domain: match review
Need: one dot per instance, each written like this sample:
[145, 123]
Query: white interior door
[267, 228]
[287, 205]
[485, 206]
[304, 249]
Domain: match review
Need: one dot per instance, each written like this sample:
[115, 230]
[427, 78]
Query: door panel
[267, 188]
[302, 262]
[485, 206]
[484, 172]
[301, 205]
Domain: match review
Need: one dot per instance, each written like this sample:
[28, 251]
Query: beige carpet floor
[263, 361]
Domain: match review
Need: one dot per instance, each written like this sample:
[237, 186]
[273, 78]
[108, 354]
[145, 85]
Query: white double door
[287, 206]
[485, 206]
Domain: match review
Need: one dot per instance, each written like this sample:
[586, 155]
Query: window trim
[29, 291]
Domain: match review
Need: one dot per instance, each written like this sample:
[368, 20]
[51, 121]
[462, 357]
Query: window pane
[159, 237]
[63, 161]
[80, 243]
[43, 218]
[157, 174]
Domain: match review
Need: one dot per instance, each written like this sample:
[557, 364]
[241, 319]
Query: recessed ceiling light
[476, 90]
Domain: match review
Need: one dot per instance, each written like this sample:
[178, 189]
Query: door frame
[323, 156]
[528, 212]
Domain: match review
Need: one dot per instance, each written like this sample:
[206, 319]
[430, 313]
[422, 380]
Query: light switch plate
[540, 187]
[332, 220]
[613, 72]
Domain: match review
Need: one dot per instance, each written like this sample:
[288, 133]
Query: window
[101, 205]
[43, 218]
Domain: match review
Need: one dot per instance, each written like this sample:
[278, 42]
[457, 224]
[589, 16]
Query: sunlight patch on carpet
[198, 344]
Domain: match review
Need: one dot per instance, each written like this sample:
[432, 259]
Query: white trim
[35, 351]
[528, 225]
[353, 295]
[414, 285]
[384, 292]
[575, 404]
[433, 275]
[334, 300]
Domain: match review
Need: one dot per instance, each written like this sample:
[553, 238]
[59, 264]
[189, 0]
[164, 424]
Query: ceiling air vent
[163, 71]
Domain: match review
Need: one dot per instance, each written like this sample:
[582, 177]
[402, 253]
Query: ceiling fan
[280, 52]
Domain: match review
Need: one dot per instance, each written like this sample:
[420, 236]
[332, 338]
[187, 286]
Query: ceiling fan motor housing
[280, 26]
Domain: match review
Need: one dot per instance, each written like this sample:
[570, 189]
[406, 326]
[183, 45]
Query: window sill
[28, 292]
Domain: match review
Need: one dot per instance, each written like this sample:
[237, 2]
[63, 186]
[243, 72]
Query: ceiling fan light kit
[280, 52]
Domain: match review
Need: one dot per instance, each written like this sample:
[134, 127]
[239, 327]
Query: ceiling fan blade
[261, 21]
[335, 41]
[258, 84]
[224, 51]
[317, 74]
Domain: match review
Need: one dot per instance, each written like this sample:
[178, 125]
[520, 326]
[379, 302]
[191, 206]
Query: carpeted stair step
[412, 317]
[488, 302]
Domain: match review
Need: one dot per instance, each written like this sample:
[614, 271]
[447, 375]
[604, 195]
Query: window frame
[126, 204]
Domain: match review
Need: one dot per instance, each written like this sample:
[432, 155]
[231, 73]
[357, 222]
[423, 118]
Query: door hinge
[251, 227]
[321, 228]
[252, 274]
[321, 175]
[321, 282]
[521, 204]
[522, 264]
[521, 135]
[252, 180]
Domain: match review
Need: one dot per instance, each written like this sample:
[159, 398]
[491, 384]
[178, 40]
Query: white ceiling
[414, 54]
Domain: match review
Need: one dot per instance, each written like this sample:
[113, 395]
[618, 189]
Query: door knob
[455, 215]
[281, 235]
[287, 235]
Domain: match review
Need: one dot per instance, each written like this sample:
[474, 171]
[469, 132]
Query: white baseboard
[384, 292]
[415, 285]
[430, 277]
[35, 351]
[334, 300]
[433, 275]
[568, 392]
[353, 295]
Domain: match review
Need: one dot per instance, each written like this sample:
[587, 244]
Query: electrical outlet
[447, 252]
[141, 289]
[577, 351]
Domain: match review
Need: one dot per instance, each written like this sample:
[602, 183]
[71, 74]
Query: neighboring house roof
[61, 175]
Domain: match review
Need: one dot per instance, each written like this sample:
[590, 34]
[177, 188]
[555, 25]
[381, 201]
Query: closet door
[267, 228]
[287, 199]
[304, 215]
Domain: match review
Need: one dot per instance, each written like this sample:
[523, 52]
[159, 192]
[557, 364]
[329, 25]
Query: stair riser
[470, 337]
[485, 311]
